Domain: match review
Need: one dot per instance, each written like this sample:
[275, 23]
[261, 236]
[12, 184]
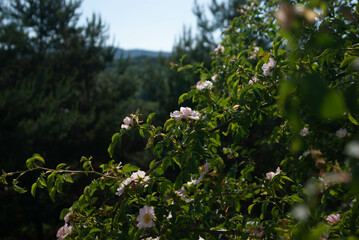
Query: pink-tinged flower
[304, 132]
[145, 218]
[214, 77]
[267, 67]
[333, 219]
[67, 216]
[204, 85]
[219, 49]
[341, 133]
[185, 113]
[128, 121]
[194, 115]
[177, 115]
[63, 231]
[270, 175]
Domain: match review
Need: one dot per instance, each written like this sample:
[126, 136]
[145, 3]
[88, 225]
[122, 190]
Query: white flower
[140, 176]
[185, 113]
[176, 115]
[254, 55]
[253, 80]
[341, 133]
[219, 49]
[270, 175]
[63, 231]
[304, 132]
[128, 121]
[198, 180]
[137, 177]
[204, 85]
[333, 219]
[181, 192]
[194, 115]
[214, 77]
[122, 186]
[267, 67]
[145, 218]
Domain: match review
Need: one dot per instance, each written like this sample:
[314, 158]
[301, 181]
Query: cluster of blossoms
[136, 177]
[270, 175]
[145, 219]
[67, 228]
[204, 85]
[204, 171]
[254, 55]
[185, 113]
[219, 49]
[267, 67]
[129, 121]
[246, 7]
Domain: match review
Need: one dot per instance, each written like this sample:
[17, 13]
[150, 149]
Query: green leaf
[250, 208]
[264, 209]
[52, 193]
[95, 230]
[30, 163]
[182, 98]
[68, 178]
[129, 168]
[150, 117]
[50, 180]
[18, 189]
[61, 165]
[116, 141]
[296, 198]
[352, 119]
[3, 177]
[33, 188]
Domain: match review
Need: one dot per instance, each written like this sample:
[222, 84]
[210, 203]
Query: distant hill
[135, 53]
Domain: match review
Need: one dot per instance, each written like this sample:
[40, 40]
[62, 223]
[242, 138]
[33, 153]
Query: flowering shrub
[223, 152]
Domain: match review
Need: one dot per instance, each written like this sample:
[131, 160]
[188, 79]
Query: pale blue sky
[143, 24]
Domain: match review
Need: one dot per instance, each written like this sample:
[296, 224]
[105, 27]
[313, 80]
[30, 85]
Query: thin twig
[154, 167]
